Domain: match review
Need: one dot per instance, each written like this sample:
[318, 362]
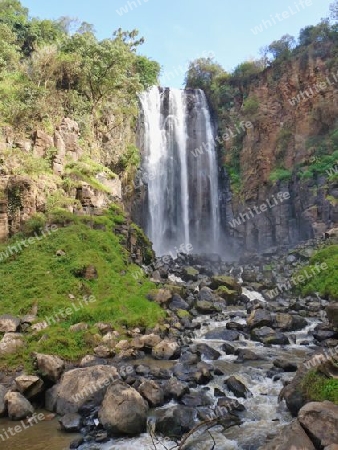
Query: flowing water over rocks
[235, 354]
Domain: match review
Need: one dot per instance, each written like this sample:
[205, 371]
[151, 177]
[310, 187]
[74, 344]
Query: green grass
[318, 388]
[326, 281]
[280, 175]
[38, 276]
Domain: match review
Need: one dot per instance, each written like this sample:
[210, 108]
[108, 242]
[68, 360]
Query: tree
[202, 72]
[282, 48]
[334, 10]
[148, 71]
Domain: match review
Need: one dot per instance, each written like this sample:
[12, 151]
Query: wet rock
[292, 393]
[208, 352]
[9, 324]
[71, 423]
[166, 350]
[123, 411]
[222, 334]
[205, 307]
[268, 336]
[206, 295]
[174, 422]
[288, 322]
[49, 366]
[237, 387]
[195, 399]
[175, 389]
[18, 406]
[259, 318]
[152, 392]
[190, 273]
[228, 348]
[178, 303]
[81, 389]
[91, 360]
[230, 296]
[229, 282]
[29, 386]
[291, 437]
[244, 354]
[320, 421]
[285, 365]
[199, 374]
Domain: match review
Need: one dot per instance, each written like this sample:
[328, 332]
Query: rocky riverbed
[229, 355]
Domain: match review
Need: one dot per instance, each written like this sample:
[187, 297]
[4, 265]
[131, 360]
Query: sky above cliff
[178, 31]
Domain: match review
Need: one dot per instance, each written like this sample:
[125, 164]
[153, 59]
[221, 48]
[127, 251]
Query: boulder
[177, 303]
[291, 437]
[10, 343]
[18, 406]
[49, 366]
[9, 324]
[175, 389]
[29, 386]
[229, 282]
[237, 387]
[268, 336]
[81, 389]
[123, 411]
[196, 399]
[207, 352]
[284, 364]
[166, 350]
[222, 334]
[259, 318]
[320, 421]
[175, 421]
[71, 423]
[152, 392]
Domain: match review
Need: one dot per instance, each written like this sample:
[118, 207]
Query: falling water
[181, 163]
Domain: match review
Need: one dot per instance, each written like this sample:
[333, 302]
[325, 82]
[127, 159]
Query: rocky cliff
[290, 147]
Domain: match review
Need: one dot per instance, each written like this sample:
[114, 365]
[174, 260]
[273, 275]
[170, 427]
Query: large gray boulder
[29, 386]
[123, 411]
[49, 366]
[84, 388]
[18, 406]
[320, 421]
[291, 437]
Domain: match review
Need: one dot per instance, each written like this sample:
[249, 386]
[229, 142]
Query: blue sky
[178, 31]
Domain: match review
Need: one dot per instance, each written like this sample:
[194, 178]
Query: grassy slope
[318, 388]
[326, 282]
[38, 276]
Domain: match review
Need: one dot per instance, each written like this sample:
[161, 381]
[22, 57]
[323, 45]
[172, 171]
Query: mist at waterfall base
[182, 197]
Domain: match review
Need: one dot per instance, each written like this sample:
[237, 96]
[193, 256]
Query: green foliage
[325, 283]
[87, 170]
[37, 276]
[280, 174]
[148, 71]
[318, 388]
[281, 48]
[250, 106]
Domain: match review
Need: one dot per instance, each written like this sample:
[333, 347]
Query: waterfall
[180, 162]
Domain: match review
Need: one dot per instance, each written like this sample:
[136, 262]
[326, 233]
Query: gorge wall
[291, 146]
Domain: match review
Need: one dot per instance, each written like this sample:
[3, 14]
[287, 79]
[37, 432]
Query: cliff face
[293, 123]
[44, 172]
